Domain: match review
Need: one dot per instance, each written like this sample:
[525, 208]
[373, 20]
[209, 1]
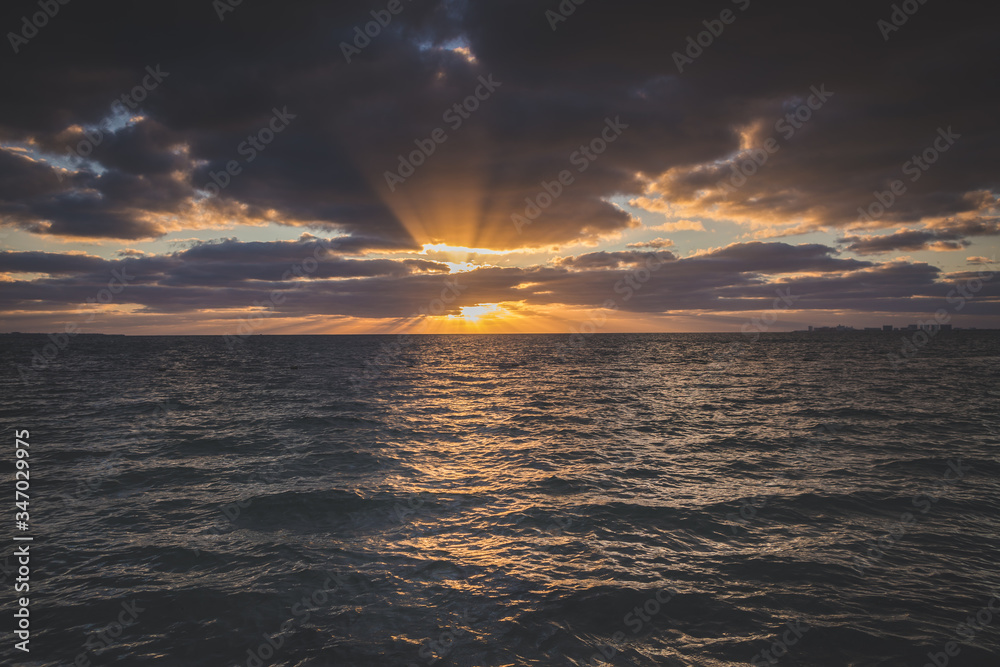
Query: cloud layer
[128, 126]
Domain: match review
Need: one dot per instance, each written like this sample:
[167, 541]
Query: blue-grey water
[508, 500]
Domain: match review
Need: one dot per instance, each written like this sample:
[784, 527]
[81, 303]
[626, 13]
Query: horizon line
[831, 330]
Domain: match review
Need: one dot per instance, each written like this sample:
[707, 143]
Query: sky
[439, 166]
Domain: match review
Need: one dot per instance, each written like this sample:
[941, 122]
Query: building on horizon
[839, 327]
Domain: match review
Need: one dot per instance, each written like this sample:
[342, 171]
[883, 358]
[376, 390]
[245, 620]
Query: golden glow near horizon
[479, 318]
[476, 313]
[443, 247]
[461, 267]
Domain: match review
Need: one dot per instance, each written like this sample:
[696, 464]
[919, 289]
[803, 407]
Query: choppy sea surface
[683, 499]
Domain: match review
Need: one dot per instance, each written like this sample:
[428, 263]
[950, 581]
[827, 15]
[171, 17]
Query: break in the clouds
[124, 127]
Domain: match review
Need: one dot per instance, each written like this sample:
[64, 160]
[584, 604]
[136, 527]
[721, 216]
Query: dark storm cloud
[234, 275]
[611, 260]
[889, 98]
[972, 226]
[276, 252]
[906, 240]
[949, 235]
[117, 204]
[326, 169]
[779, 258]
[146, 148]
[216, 266]
[50, 263]
[543, 133]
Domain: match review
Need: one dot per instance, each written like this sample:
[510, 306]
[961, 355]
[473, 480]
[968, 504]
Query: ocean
[500, 500]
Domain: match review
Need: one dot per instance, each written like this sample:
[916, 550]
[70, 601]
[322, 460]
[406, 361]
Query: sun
[481, 318]
[473, 314]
